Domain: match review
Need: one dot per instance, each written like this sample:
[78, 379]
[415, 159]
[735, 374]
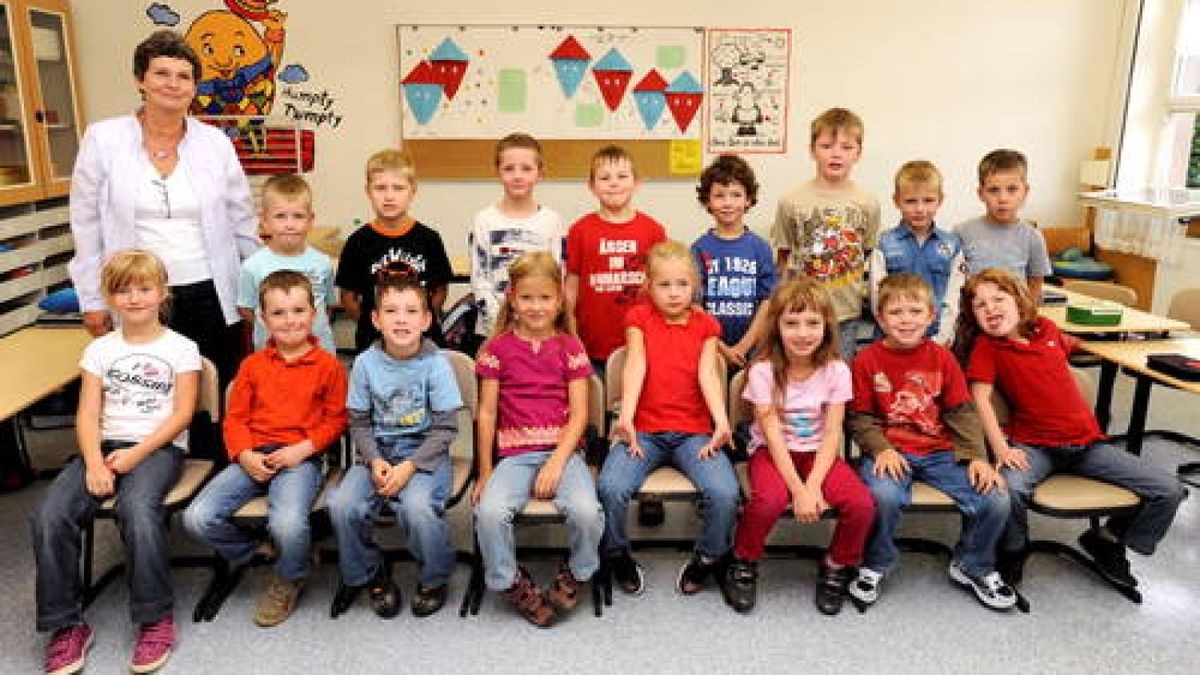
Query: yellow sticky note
[686, 157]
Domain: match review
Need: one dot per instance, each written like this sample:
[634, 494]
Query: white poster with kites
[556, 82]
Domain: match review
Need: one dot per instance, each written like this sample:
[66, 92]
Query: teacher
[168, 183]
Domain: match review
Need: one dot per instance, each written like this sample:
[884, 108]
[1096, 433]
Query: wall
[942, 80]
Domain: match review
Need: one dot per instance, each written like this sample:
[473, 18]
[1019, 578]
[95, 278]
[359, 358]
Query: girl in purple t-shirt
[533, 402]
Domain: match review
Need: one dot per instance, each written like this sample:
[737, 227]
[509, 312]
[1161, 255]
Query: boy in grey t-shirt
[999, 238]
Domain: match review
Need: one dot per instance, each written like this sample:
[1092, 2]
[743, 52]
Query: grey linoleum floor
[922, 624]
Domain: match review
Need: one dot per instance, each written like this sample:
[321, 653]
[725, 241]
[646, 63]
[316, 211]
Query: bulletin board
[575, 88]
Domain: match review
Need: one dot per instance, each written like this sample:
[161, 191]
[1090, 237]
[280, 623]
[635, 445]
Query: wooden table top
[36, 361]
[1132, 320]
[1132, 354]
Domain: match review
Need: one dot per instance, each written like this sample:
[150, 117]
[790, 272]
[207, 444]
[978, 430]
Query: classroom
[1096, 95]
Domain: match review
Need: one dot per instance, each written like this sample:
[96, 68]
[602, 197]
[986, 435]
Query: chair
[544, 512]
[193, 476]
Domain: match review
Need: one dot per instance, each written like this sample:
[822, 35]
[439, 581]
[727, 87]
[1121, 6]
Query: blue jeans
[848, 338]
[623, 474]
[507, 491]
[290, 495]
[142, 521]
[420, 507]
[983, 516]
[1160, 491]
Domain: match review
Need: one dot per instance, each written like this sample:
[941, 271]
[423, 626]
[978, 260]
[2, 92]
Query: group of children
[554, 308]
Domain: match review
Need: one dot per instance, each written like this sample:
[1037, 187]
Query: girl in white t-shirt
[138, 393]
[798, 390]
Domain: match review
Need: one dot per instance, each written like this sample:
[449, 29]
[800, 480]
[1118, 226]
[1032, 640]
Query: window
[1183, 129]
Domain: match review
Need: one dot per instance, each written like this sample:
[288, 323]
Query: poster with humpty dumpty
[748, 90]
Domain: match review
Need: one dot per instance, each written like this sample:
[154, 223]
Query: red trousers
[769, 498]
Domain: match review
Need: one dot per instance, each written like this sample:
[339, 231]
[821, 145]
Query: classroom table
[35, 362]
[1132, 355]
[1132, 320]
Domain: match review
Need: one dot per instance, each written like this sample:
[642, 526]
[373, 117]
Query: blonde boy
[287, 218]
[393, 244]
[1000, 238]
[825, 227]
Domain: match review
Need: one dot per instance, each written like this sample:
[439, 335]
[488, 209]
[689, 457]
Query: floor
[922, 624]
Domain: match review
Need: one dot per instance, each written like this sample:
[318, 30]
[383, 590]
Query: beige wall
[945, 80]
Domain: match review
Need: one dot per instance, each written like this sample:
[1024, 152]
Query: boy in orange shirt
[287, 404]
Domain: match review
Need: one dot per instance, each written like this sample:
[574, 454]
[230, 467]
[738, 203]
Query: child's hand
[255, 464]
[290, 456]
[100, 480]
[983, 477]
[624, 431]
[478, 487]
[807, 506]
[121, 461]
[547, 479]
[720, 438]
[1012, 457]
[891, 463]
[732, 354]
[397, 479]
[380, 469]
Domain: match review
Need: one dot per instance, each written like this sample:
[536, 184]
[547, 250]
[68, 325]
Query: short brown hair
[919, 173]
[726, 170]
[1002, 160]
[392, 159]
[287, 186]
[392, 281]
[166, 43]
[904, 286]
[519, 140]
[835, 120]
[129, 266]
[610, 154]
[285, 280]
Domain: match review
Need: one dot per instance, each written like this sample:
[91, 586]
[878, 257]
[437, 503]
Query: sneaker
[990, 589]
[694, 573]
[831, 588]
[383, 592]
[1011, 565]
[865, 589]
[564, 592]
[343, 598]
[1109, 556]
[67, 650]
[530, 601]
[154, 643]
[427, 601]
[628, 573]
[277, 602]
[739, 585]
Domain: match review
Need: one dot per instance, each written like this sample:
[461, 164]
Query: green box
[1095, 315]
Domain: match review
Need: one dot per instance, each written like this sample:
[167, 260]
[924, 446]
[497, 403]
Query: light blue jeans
[983, 516]
[290, 495]
[507, 491]
[420, 508]
[623, 474]
[1160, 491]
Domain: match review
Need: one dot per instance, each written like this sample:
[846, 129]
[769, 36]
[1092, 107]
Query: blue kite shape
[613, 61]
[448, 51]
[684, 83]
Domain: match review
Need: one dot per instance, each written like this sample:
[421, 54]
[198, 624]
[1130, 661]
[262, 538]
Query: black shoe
[383, 592]
[1011, 565]
[1109, 556]
[739, 585]
[831, 588]
[694, 573]
[225, 579]
[426, 601]
[627, 573]
[343, 598]
[651, 512]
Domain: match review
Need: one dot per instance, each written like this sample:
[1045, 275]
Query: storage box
[1095, 314]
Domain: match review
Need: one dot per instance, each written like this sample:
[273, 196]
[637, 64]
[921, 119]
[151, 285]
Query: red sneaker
[154, 643]
[67, 650]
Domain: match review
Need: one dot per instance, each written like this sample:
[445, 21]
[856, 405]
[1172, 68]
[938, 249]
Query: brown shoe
[277, 602]
[564, 592]
[530, 601]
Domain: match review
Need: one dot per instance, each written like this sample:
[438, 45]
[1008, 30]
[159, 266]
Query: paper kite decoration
[449, 65]
[570, 61]
[683, 98]
[650, 97]
[422, 91]
[613, 73]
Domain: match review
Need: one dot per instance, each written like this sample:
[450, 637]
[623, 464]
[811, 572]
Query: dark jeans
[196, 314]
[141, 519]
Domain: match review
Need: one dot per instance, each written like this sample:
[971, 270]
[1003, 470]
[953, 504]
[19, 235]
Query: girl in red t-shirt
[1051, 429]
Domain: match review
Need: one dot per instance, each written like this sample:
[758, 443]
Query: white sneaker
[866, 587]
[990, 588]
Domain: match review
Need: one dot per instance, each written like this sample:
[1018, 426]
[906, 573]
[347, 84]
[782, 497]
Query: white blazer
[104, 192]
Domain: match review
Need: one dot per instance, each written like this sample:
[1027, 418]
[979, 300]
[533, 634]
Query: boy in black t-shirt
[393, 244]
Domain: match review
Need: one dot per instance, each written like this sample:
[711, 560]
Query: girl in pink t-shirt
[533, 402]
[798, 390]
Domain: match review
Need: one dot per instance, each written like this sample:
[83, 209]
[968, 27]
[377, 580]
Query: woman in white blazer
[162, 181]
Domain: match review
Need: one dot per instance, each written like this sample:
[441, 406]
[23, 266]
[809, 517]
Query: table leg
[1108, 378]
[1137, 416]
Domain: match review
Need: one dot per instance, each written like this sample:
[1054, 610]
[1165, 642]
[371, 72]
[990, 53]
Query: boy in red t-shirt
[913, 417]
[606, 254]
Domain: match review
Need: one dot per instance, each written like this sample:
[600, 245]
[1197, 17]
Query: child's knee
[493, 513]
[289, 525]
